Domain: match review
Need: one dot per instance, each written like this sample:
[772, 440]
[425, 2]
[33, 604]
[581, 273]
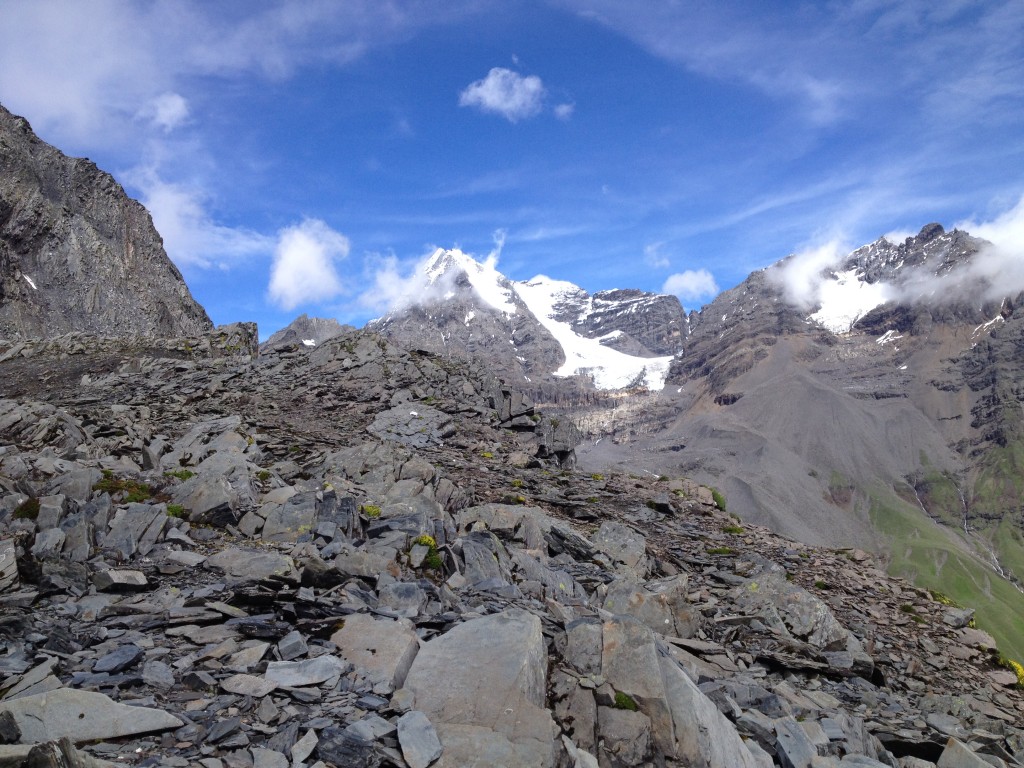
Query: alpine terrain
[365, 548]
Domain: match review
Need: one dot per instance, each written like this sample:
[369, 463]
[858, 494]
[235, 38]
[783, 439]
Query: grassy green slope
[928, 555]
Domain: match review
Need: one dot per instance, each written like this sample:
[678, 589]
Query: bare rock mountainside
[338, 550]
[76, 253]
[884, 413]
[351, 554]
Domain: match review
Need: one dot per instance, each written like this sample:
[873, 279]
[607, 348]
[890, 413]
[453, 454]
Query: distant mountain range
[874, 402]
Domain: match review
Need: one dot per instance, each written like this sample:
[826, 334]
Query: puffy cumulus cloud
[691, 285]
[191, 237]
[564, 111]
[304, 268]
[166, 112]
[506, 93]
[801, 275]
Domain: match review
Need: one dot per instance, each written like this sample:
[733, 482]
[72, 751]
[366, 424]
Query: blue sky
[304, 157]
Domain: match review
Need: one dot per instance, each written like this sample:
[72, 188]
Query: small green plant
[263, 475]
[597, 476]
[27, 510]
[175, 510]
[591, 499]
[517, 483]
[908, 608]
[1016, 668]
[821, 584]
[370, 510]
[433, 560]
[181, 474]
[720, 551]
[719, 499]
[624, 701]
[732, 529]
[486, 454]
[662, 478]
[134, 491]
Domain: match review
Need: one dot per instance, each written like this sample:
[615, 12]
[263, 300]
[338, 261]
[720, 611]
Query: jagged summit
[934, 266]
[77, 254]
[541, 328]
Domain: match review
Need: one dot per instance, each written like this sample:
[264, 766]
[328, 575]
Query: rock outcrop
[77, 254]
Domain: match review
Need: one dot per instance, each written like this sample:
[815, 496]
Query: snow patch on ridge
[847, 299]
[31, 282]
[609, 368]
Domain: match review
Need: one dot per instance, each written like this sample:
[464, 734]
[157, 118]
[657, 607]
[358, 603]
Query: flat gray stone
[8, 566]
[418, 739]
[622, 544]
[136, 529]
[48, 544]
[82, 716]
[295, 674]
[382, 649]
[248, 685]
[482, 685]
[251, 565]
[125, 657]
[119, 579]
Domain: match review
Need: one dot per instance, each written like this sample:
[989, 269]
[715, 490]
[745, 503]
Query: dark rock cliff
[76, 253]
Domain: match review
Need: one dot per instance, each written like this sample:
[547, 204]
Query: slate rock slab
[485, 678]
[383, 649]
[251, 565]
[82, 716]
[293, 674]
[418, 739]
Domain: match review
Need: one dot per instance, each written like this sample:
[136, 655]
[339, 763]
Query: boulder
[482, 684]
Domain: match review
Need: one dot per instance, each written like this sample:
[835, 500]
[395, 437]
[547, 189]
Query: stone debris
[349, 554]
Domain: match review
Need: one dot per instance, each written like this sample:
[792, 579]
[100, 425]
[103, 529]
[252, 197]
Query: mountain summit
[542, 329]
[77, 254]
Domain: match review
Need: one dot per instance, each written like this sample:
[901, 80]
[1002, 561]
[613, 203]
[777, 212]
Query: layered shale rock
[246, 554]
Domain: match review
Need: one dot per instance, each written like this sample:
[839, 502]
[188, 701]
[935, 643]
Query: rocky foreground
[356, 555]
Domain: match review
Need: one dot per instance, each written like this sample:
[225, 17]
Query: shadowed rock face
[77, 254]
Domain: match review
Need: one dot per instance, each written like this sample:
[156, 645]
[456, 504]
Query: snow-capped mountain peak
[547, 325]
[492, 287]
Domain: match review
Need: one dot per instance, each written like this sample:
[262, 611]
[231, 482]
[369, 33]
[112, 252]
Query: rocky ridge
[357, 555]
[77, 254]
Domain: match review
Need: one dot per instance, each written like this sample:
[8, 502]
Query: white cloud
[304, 267]
[191, 237]
[506, 93]
[564, 111]
[654, 258]
[691, 285]
[394, 284]
[166, 112]
[801, 275]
